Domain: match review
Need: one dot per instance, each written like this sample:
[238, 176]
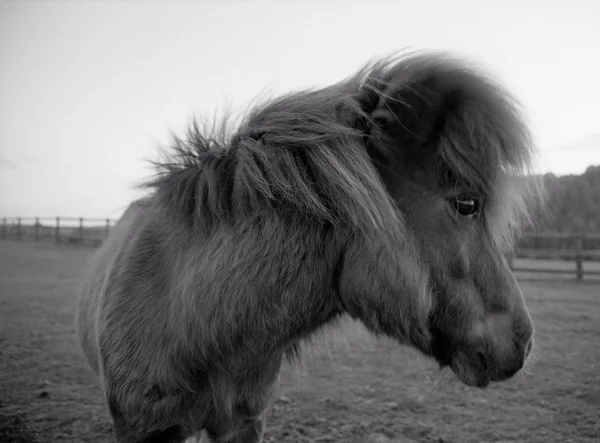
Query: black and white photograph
[297, 221]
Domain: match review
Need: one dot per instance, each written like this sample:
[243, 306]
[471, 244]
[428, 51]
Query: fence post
[19, 233]
[579, 257]
[57, 230]
[3, 228]
[107, 226]
[36, 228]
[80, 230]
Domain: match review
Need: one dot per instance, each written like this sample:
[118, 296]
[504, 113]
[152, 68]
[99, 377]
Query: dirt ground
[349, 388]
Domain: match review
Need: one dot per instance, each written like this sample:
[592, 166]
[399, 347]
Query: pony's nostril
[528, 347]
[524, 344]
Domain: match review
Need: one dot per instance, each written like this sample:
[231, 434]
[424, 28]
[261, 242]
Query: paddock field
[350, 387]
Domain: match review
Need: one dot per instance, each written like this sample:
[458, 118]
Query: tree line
[572, 203]
[572, 206]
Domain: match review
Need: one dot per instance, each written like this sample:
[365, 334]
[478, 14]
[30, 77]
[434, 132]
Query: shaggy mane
[295, 155]
[304, 153]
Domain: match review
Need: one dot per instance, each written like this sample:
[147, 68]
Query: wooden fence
[73, 230]
[583, 250]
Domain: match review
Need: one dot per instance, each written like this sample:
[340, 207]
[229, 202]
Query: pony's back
[94, 283]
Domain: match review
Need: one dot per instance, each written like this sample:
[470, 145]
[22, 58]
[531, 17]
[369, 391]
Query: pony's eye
[466, 206]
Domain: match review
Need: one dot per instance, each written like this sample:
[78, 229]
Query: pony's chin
[470, 369]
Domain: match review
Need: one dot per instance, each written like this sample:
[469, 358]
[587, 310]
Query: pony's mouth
[471, 368]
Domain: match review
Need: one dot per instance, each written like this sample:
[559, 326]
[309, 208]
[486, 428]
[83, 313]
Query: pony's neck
[254, 291]
[276, 332]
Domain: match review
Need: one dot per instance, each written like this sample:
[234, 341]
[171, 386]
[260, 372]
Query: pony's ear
[409, 107]
[414, 114]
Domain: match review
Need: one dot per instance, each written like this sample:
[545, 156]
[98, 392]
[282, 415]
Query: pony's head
[451, 150]
[409, 176]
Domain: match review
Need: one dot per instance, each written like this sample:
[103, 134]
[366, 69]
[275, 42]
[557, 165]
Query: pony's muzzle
[496, 354]
[508, 362]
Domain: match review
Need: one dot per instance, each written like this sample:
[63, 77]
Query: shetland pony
[390, 196]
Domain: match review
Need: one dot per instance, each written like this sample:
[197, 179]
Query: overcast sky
[88, 90]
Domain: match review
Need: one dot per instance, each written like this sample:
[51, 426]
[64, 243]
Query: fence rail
[580, 249]
[73, 230]
[566, 247]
